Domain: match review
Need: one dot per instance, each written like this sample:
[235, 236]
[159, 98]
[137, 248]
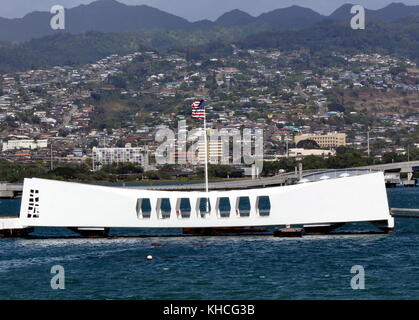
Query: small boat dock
[10, 191]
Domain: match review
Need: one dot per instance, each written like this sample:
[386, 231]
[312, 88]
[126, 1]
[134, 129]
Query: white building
[215, 151]
[330, 202]
[24, 144]
[300, 153]
[215, 147]
[105, 156]
[329, 140]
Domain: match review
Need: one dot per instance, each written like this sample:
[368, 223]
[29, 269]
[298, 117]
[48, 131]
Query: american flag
[198, 109]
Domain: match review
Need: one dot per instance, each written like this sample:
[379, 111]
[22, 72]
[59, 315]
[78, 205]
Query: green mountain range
[113, 16]
[392, 36]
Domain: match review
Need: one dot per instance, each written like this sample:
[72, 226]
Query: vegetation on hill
[345, 158]
[65, 49]
[399, 39]
[16, 172]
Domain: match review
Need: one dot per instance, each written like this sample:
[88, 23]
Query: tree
[308, 144]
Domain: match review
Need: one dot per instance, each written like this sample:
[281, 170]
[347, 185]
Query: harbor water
[240, 267]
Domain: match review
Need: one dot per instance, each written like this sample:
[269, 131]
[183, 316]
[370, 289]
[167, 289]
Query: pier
[405, 213]
[12, 227]
[10, 191]
[393, 172]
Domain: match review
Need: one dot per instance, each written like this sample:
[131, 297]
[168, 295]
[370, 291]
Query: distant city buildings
[24, 144]
[108, 156]
[300, 153]
[330, 140]
[215, 151]
[246, 89]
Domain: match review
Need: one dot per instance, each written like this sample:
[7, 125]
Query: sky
[194, 10]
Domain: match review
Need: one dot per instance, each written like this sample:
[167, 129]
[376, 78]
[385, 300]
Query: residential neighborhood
[59, 114]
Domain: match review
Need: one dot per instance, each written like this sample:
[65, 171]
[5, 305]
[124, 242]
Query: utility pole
[408, 153]
[93, 159]
[368, 142]
[300, 170]
[52, 161]
[206, 152]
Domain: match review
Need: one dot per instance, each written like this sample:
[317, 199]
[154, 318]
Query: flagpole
[199, 111]
[206, 151]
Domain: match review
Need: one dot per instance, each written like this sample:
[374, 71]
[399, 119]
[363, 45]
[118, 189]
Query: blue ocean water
[244, 267]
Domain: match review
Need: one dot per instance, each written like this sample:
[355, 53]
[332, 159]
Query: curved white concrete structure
[50, 203]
